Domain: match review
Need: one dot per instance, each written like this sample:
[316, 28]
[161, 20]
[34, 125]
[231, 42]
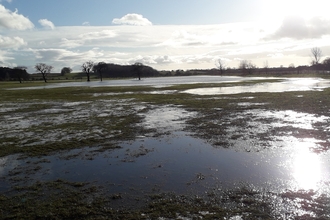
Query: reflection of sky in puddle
[173, 163]
[156, 82]
[285, 86]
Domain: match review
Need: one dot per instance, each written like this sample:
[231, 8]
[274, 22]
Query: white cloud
[13, 20]
[151, 60]
[46, 23]
[297, 27]
[184, 38]
[132, 19]
[55, 55]
[95, 38]
[162, 47]
[62, 57]
[11, 42]
[97, 35]
[86, 23]
[275, 55]
[6, 58]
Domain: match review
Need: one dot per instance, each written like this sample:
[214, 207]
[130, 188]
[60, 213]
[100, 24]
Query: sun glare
[279, 9]
[307, 169]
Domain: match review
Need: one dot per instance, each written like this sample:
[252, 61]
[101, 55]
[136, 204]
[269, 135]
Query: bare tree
[317, 54]
[221, 65]
[44, 69]
[247, 67]
[243, 64]
[20, 72]
[138, 67]
[100, 68]
[87, 67]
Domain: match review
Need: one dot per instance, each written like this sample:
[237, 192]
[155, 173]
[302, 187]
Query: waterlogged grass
[37, 130]
[122, 119]
[61, 199]
[40, 122]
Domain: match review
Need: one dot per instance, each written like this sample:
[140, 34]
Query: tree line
[89, 68]
[103, 69]
[110, 70]
[246, 67]
[18, 73]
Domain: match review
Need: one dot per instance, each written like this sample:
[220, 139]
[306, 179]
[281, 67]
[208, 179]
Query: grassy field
[41, 122]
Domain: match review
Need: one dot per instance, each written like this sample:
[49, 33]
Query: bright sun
[279, 9]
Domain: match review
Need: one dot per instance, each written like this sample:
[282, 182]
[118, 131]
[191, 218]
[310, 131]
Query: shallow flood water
[287, 85]
[177, 163]
[181, 163]
[157, 82]
[266, 148]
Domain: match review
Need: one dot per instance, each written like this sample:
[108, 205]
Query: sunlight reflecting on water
[295, 84]
[307, 169]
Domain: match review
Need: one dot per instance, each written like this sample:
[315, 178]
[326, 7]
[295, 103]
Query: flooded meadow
[167, 148]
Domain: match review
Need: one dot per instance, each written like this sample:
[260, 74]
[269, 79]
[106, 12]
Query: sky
[163, 34]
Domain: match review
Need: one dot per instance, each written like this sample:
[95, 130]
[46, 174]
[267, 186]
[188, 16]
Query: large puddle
[157, 82]
[179, 162]
[287, 85]
[176, 163]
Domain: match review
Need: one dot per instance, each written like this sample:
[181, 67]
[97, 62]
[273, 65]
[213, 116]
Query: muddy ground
[164, 152]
